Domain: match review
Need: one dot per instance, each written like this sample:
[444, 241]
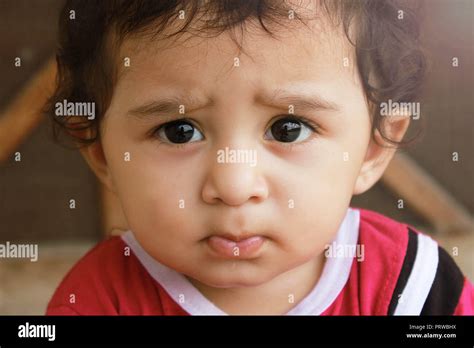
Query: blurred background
[35, 192]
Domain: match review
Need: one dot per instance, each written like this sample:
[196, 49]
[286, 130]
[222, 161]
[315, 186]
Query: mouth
[236, 247]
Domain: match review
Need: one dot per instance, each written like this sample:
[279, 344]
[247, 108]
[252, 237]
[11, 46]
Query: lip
[236, 247]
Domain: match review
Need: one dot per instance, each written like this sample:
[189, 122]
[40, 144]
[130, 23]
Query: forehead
[314, 50]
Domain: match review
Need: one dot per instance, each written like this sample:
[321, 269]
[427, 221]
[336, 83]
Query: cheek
[323, 175]
[315, 194]
[318, 209]
[158, 211]
[155, 195]
[156, 199]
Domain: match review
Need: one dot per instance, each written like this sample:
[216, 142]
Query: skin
[231, 197]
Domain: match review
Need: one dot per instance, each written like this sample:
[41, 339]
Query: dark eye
[178, 132]
[288, 130]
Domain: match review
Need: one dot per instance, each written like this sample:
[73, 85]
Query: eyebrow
[169, 105]
[302, 102]
[280, 98]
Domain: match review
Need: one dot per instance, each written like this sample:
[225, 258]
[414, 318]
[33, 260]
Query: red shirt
[375, 266]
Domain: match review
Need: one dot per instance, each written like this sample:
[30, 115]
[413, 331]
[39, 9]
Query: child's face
[294, 198]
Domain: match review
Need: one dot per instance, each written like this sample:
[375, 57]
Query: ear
[380, 153]
[94, 156]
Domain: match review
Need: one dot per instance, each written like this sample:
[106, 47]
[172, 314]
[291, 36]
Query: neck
[276, 296]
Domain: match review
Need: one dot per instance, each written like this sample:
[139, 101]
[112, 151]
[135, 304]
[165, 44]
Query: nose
[233, 183]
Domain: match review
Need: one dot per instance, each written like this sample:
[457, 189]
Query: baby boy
[235, 134]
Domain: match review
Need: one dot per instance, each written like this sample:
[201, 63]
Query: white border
[421, 278]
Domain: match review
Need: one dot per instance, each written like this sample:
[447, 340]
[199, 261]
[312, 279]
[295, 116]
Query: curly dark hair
[387, 48]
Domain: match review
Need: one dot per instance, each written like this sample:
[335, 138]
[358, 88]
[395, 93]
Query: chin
[228, 280]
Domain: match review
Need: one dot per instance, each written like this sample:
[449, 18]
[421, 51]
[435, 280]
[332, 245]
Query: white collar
[333, 278]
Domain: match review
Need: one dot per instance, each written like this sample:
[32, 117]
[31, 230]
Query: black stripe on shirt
[446, 289]
[405, 272]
